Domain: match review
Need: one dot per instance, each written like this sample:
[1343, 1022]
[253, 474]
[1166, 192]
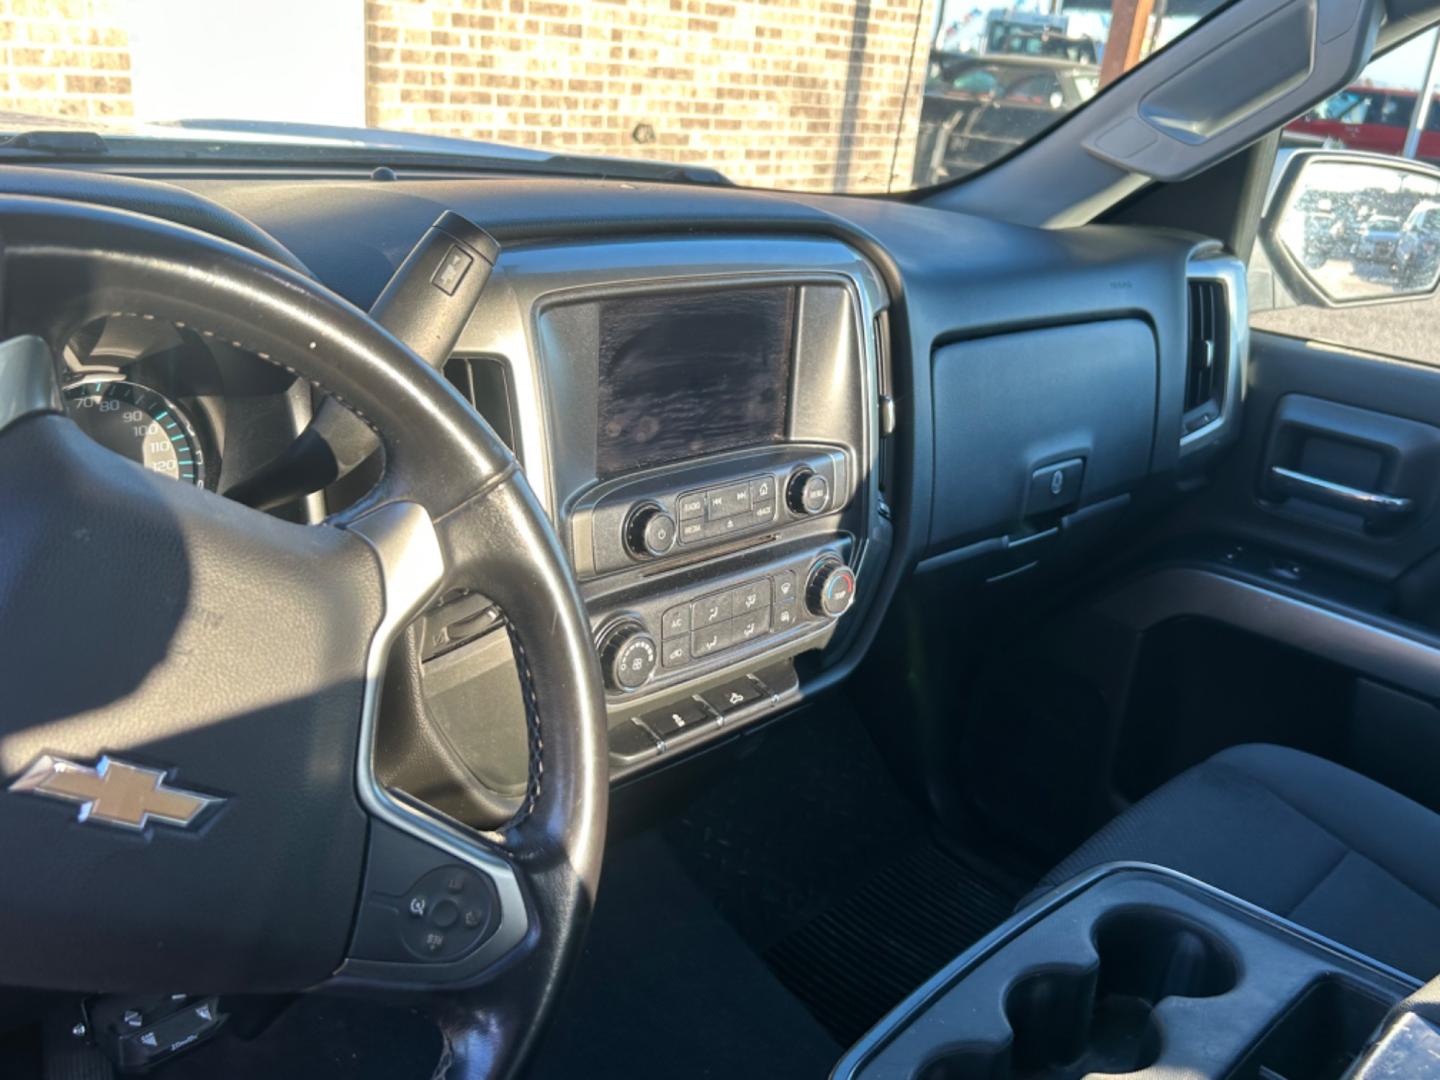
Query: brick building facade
[65, 58]
[814, 94]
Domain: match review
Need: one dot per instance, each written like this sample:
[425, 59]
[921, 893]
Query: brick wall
[64, 58]
[814, 94]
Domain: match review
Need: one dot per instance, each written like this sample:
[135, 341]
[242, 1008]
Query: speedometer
[137, 423]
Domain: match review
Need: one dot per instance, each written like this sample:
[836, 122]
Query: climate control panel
[719, 621]
[667, 638]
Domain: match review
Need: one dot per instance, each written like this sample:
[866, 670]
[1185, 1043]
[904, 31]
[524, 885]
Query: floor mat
[862, 957]
[666, 988]
[830, 872]
[795, 826]
[320, 1038]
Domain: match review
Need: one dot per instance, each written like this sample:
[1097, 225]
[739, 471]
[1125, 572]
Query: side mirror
[1346, 228]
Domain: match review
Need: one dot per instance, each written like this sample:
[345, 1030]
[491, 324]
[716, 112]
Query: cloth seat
[1300, 836]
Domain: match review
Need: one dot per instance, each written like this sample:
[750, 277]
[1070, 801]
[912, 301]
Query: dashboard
[749, 415]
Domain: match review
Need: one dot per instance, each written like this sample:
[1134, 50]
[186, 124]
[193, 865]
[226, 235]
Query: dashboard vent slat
[484, 381]
[1205, 358]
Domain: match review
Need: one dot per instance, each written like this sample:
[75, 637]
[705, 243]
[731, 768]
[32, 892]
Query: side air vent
[1217, 347]
[1206, 360]
[886, 399]
[484, 381]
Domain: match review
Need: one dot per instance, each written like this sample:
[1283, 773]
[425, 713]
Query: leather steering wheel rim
[464, 503]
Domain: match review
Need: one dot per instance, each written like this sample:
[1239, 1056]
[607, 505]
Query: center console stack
[714, 430]
[1140, 971]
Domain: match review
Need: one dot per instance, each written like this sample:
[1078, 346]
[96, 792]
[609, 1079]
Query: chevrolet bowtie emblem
[114, 792]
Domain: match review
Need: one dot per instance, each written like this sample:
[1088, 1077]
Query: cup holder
[1066, 1023]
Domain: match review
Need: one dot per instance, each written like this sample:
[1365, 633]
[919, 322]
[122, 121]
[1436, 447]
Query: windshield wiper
[90, 145]
[60, 143]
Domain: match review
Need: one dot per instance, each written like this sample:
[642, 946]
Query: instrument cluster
[197, 411]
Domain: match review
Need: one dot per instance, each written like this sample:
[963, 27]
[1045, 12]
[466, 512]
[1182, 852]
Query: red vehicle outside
[1371, 118]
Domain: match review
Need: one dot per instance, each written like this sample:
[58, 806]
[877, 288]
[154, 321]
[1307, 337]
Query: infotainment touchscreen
[689, 373]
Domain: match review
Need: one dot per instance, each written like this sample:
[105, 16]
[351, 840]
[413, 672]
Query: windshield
[839, 95]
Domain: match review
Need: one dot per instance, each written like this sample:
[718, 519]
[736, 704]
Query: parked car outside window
[1381, 240]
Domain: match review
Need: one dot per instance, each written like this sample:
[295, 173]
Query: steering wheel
[188, 803]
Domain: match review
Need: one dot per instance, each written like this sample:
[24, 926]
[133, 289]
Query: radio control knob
[807, 492]
[627, 655]
[831, 589]
[650, 532]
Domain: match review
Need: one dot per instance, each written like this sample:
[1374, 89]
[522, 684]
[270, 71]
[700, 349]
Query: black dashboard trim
[948, 275]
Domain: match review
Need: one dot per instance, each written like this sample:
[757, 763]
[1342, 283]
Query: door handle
[1378, 510]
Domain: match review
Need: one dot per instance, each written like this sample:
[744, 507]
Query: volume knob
[650, 532]
[831, 589]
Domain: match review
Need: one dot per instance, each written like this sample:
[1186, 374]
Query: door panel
[1357, 423]
[1357, 470]
[1273, 609]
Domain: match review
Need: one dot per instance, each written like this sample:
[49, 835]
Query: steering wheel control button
[444, 915]
[628, 655]
[733, 696]
[808, 493]
[650, 532]
[831, 589]
[455, 907]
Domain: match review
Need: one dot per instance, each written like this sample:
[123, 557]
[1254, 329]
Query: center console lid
[1140, 971]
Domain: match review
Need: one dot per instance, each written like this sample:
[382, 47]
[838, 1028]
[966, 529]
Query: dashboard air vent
[1205, 360]
[484, 381]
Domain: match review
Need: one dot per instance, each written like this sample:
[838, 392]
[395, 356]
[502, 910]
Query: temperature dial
[831, 589]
